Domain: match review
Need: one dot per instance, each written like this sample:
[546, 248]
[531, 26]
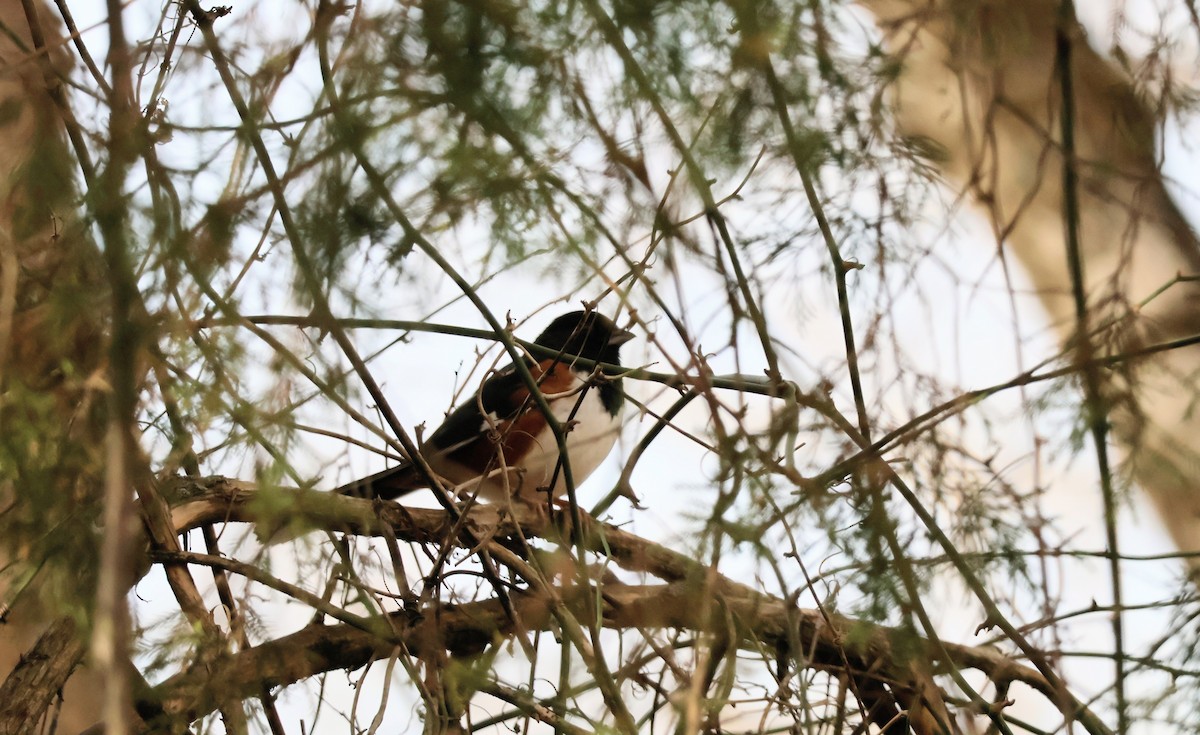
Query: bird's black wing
[500, 398]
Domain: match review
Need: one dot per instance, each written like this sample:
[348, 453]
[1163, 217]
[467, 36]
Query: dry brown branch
[760, 620]
[27, 694]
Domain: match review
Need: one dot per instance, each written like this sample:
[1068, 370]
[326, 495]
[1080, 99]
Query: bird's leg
[564, 520]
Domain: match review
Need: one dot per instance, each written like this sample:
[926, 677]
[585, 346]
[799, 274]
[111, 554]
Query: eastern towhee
[498, 443]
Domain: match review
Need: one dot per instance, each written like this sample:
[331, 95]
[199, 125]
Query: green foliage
[655, 156]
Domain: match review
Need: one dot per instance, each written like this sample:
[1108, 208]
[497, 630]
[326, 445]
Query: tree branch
[829, 642]
[26, 694]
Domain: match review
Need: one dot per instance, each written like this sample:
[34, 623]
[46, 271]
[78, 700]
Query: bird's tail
[386, 485]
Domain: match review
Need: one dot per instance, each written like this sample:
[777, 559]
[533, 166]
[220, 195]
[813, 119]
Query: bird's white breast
[592, 435]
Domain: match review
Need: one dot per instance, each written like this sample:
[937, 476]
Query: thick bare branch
[29, 690]
[467, 629]
[760, 620]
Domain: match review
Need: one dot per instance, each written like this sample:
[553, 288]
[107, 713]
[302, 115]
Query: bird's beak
[619, 338]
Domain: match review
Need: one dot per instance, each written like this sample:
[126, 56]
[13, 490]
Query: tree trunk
[52, 306]
[979, 79]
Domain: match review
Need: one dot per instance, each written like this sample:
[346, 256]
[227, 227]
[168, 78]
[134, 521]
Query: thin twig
[1095, 405]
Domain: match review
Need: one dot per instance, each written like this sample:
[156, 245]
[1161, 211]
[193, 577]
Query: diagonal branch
[26, 695]
[759, 621]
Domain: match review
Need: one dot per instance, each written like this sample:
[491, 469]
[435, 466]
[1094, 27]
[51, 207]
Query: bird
[498, 445]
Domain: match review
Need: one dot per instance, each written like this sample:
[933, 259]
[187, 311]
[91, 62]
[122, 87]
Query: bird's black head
[586, 334]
